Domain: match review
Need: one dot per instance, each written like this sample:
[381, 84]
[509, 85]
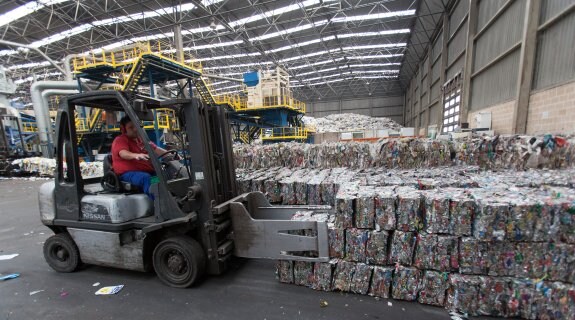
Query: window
[451, 104]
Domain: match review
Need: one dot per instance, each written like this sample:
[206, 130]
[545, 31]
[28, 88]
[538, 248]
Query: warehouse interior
[319, 158]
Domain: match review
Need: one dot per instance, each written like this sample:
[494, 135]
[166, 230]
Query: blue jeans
[140, 179]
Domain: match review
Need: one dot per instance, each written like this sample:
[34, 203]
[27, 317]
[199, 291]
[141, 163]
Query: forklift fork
[261, 230]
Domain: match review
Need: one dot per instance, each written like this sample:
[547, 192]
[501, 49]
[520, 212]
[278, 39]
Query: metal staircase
[204, 91]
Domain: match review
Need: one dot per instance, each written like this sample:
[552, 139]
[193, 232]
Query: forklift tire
[179, 261]
[61, 253]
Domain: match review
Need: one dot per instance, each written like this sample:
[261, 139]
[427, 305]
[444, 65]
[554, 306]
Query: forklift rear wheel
[179, 261]
[61, 253]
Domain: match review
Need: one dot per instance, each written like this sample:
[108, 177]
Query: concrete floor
[248, 291]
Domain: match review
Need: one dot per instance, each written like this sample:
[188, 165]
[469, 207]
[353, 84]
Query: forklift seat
[111, 182]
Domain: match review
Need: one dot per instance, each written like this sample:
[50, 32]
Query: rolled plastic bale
[495, 293]
[491, 221]
[473, 255]
[409, 209]
[303, 273]
[425, 251]
[365, 208]
[284, 271]
[501, 259]
[463, 293]
[343, 276]
[322, 275]
[355, 243]
[402, 247]
[406, 281]
[376, 247]
[385, 211]
[381, 282]
[361, 278]
[436, 212]
[446, 253]
[433, 288]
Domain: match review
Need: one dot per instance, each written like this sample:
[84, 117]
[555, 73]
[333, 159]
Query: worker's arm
[159, 151]
[127, 155]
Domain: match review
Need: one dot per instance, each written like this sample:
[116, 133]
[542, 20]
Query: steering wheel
[173, 152]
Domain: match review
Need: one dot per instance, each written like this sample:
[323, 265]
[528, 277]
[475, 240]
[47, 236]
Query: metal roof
[331, 48]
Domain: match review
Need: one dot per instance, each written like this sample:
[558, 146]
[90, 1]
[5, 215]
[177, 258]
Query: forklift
[196, 221]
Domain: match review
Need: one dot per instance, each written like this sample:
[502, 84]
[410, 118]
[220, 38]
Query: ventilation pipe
[41, 109]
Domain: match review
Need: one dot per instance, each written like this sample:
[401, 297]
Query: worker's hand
[142, 156]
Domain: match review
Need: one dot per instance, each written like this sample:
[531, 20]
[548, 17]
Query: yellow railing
[235, 101]
[276, 102]
[29, 127]
[166, 120]
[284, 133]
[128, 55]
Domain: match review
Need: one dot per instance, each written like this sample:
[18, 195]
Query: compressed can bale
[494, 296]
[328, 188]
[285, 271]
[336, 240]
[462, 293]
[530, 259]
[381, 282]
[436, 212]
[376, 247]
[301, 186]
[303, 273]
[409, 208]
[501, 259]
[461, 213]
[425, 251]
[559, 262]
[402, 247]
[473, 255]
[314, 187]
[345, 205]
[361, 278]
[385, 202]
[553, 300]
[364, 216]
[355, 243]
[566, 212]
[522, 300]
[545, 226]
[272, 186]
[322, 275]
[491, 221]
[446, 253]
[343, 276]
[521, 220]
[433, 288]
[406, 282]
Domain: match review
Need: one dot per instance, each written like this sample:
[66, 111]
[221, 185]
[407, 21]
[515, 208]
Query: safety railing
[283, 101]
[29, 127]
[129, 54]
[284, 133]
[237, 102]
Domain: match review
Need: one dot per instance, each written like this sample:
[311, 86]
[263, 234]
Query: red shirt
[121, 166]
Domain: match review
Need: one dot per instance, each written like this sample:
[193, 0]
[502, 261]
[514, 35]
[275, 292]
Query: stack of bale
[503, 251]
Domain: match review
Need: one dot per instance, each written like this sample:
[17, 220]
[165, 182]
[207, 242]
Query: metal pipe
[222, 78]
[68, 67]
[41, 109]
[46, 94]
[15, 44]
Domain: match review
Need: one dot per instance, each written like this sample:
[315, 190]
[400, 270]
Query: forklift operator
[130, 161]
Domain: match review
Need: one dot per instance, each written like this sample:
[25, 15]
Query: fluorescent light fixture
[376, 46]
[214, 45]
[374, 65]
[373, 16]
[39, 76]
[224, 93]
[239, 65]
[228, 87]
[231, 56]
[274, 12]
[301, 44]
[381, 56]
[289, 30]
[373, 34]
[316, 63]
[26, 9]
[317, 71]
[375, 71]
[29, 65]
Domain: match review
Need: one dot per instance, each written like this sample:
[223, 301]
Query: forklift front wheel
[179, 261]
[61, 253]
